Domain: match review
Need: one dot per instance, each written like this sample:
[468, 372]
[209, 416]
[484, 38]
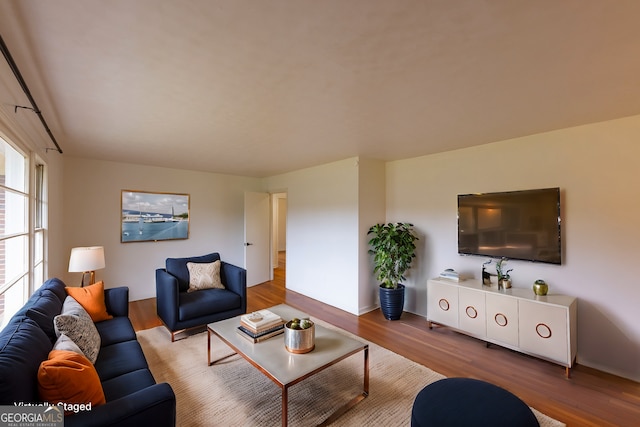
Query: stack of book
[451, 274]
[260, 325]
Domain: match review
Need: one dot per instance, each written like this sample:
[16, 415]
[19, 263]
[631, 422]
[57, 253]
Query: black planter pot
[392, 302]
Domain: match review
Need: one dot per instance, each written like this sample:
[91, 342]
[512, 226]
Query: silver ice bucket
[299, 340]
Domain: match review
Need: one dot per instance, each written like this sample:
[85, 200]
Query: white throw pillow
[204, 276]
[75, 322]
[65, 343]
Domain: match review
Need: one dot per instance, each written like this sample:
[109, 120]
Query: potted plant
[504, 277]
[393, 249]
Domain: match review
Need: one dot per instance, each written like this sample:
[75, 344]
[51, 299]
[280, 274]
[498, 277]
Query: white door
[442, 303]
[544, 331]
[256, 237]
[472, 316]
[502, 318]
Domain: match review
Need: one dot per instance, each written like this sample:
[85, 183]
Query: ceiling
[258, 88]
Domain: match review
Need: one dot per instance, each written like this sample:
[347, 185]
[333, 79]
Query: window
[39, 224]
[22, 241]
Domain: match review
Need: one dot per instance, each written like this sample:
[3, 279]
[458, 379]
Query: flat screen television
[521, 225]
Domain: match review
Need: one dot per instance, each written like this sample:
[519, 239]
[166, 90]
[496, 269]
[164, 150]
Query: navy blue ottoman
[467, 402]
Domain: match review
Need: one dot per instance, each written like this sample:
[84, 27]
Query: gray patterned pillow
[204, 276]
[75, 322]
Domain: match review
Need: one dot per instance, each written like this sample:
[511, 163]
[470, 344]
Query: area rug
[234, 393]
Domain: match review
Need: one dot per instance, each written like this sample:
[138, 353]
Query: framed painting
[151, 217]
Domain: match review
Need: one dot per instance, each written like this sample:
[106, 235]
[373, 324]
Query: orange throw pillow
[91, 298]
[69, 377]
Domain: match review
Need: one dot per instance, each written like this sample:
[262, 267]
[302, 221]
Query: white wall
[371, 203]
[595, 167]
[282, 223]
[322, 232]
[331, 206]
[92, 199]
[57, 258]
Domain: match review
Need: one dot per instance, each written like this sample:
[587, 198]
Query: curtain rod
[25, 89]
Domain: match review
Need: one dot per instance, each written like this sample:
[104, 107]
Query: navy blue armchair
[180, 310]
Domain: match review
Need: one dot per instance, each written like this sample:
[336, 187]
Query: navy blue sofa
[180, 310]
[132, 396]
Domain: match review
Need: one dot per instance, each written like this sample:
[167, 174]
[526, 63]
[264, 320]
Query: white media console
[541, 326]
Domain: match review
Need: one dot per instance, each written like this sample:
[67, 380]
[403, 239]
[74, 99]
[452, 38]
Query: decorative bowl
[540, 287]
[299, 341]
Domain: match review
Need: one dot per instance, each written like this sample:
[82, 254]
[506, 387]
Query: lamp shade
[86, 259]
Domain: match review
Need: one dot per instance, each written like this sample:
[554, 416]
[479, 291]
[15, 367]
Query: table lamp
[86, 260]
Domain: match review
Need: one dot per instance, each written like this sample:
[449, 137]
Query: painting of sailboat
[148, 216]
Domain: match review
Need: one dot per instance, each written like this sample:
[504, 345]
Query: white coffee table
[272, 359]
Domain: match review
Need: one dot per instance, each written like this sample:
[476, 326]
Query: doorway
[279, 234]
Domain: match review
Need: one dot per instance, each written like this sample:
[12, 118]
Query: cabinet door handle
[501, 319]
[543, 331]
[472, 312]
[444, 304]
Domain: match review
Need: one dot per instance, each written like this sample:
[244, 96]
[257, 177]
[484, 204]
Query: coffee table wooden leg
[209, 361]
[208, 346]
[285, 405]
[366, 371]
[365, 392]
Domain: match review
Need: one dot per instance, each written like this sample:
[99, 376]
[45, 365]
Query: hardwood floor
[589, 398]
